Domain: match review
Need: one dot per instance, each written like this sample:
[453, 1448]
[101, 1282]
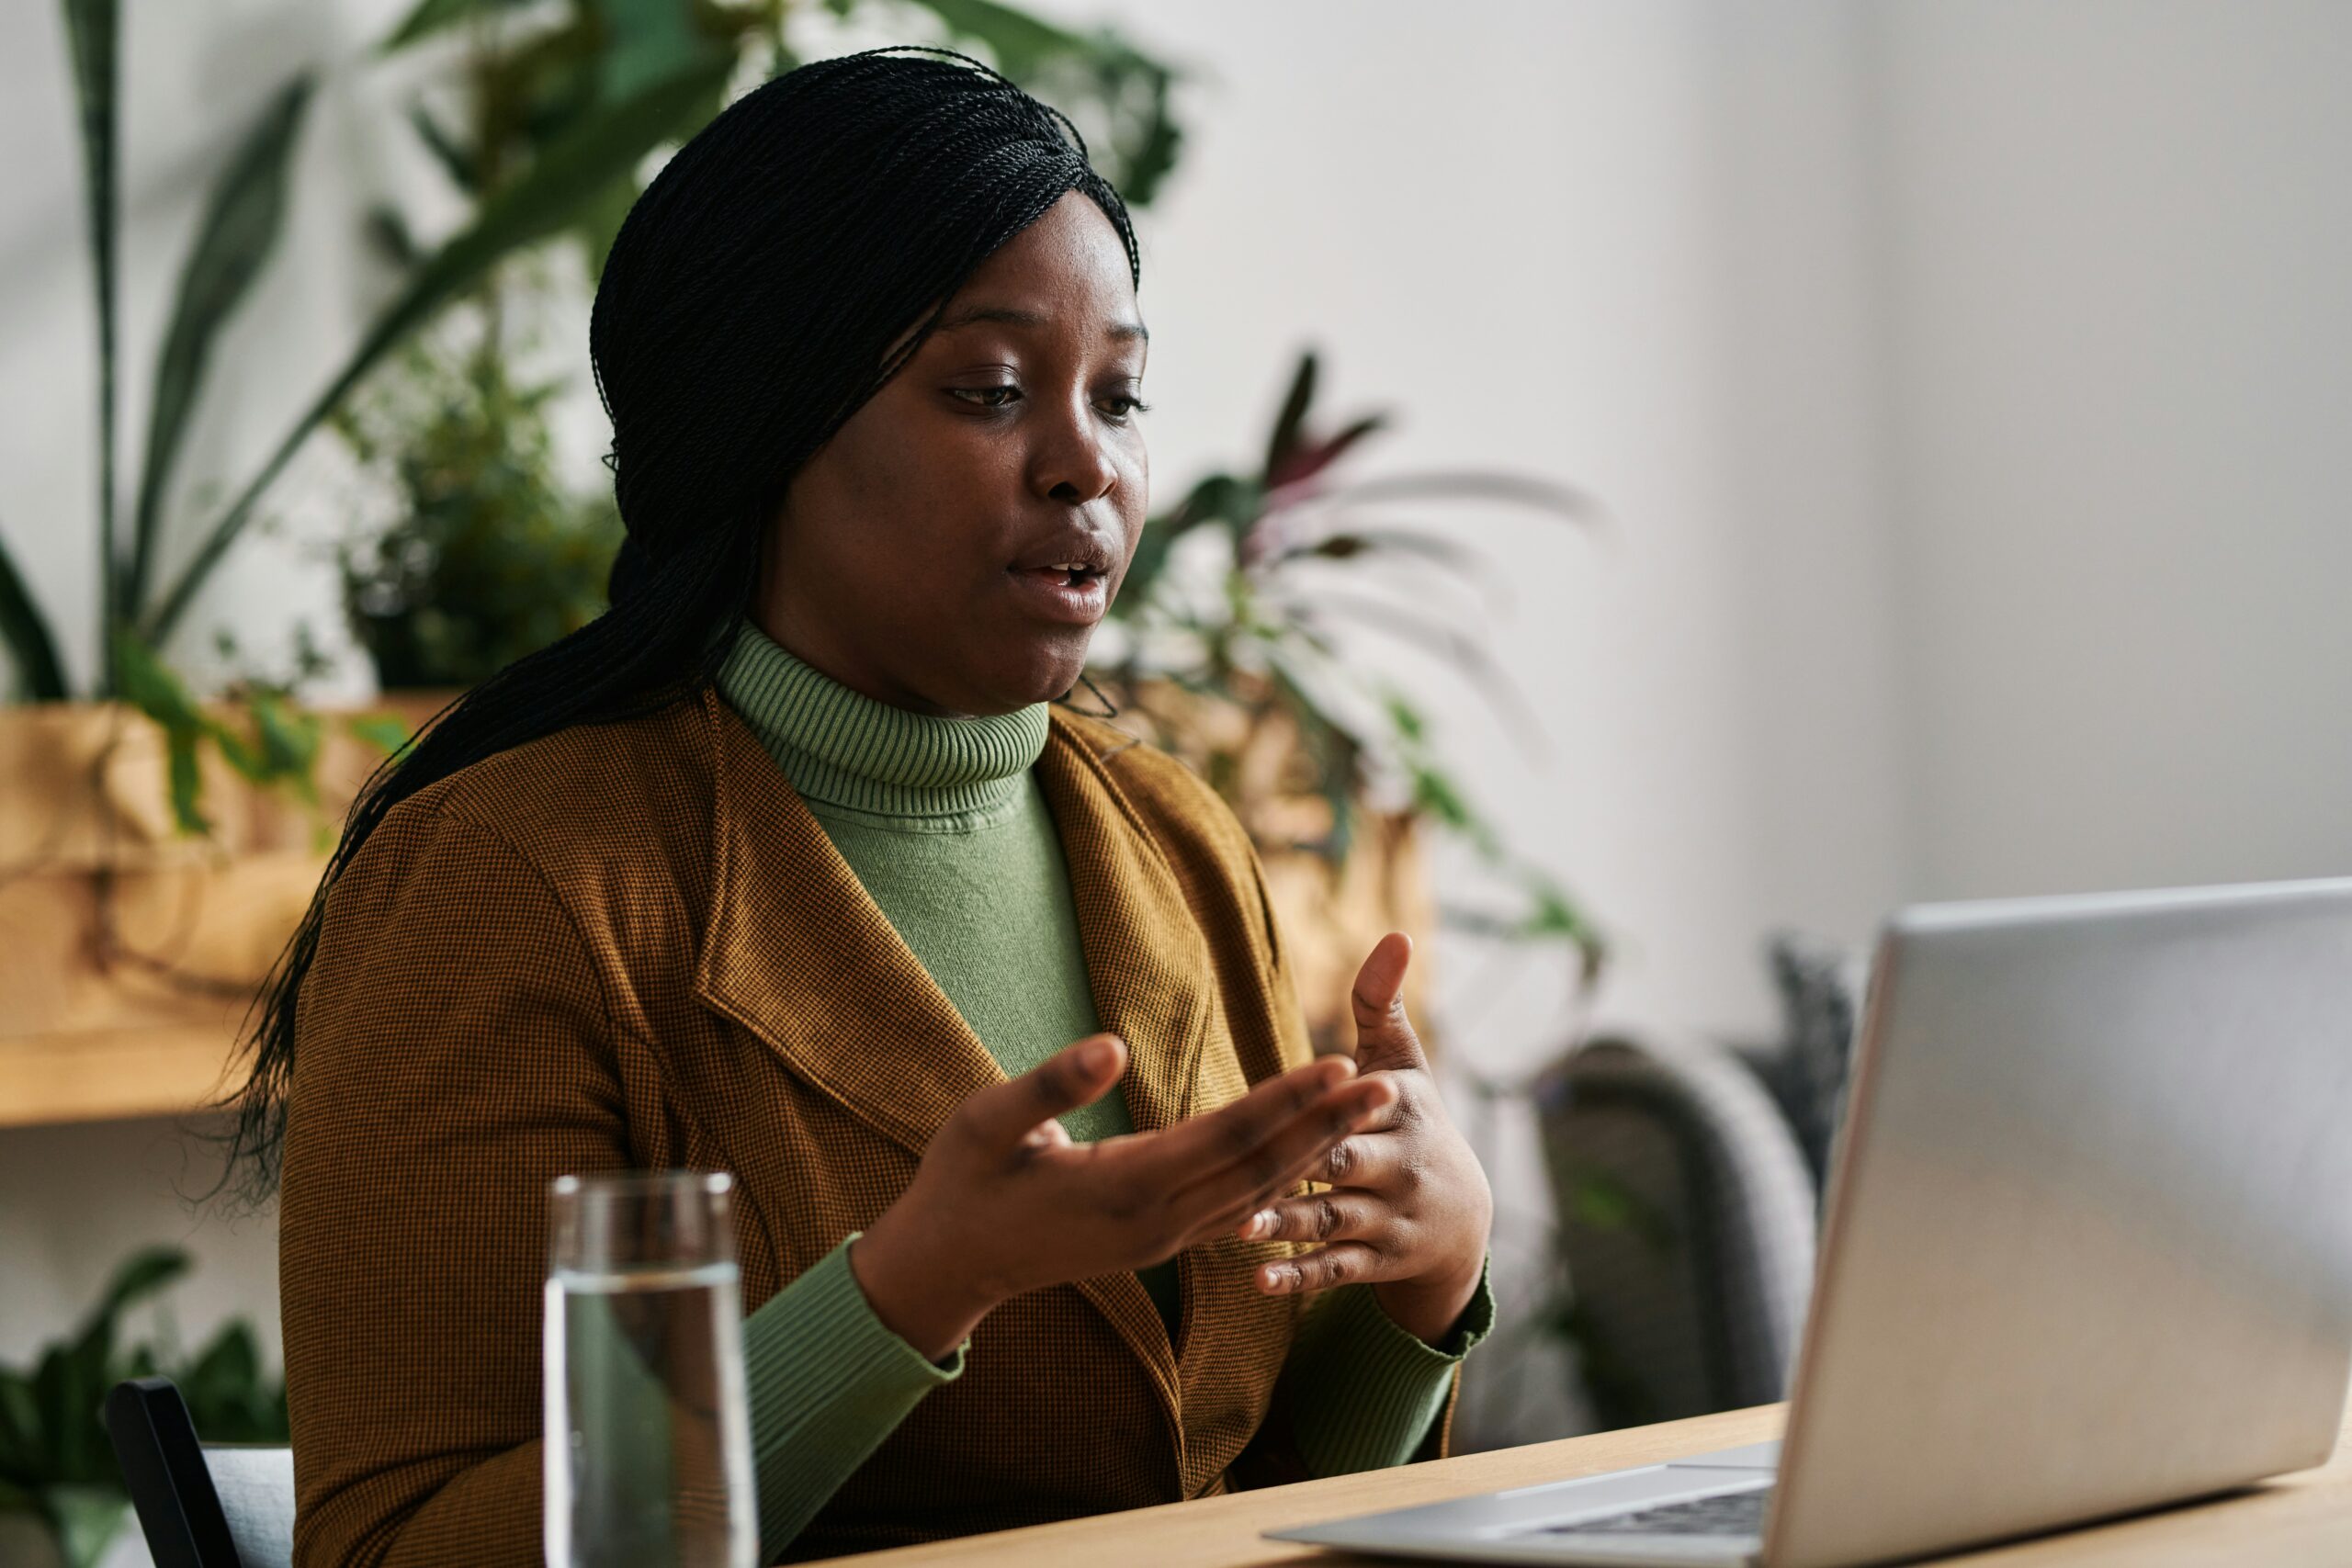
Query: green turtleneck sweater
[946, 824]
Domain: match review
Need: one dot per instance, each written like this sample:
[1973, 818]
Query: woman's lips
[1048, 593]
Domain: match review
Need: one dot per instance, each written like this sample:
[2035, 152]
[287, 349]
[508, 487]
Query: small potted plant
[61, 1498]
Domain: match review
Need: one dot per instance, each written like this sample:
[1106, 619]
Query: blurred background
[1646, 486]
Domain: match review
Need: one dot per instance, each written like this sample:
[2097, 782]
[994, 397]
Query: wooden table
[2299, 1522]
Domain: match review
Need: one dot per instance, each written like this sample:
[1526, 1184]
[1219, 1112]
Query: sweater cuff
[1368, 1390]
[827, 1381]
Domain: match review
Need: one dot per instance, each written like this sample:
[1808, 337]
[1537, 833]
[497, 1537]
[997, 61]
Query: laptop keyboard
[1725, 1513]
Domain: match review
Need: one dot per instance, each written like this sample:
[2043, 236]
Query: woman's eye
[976, 394]
[1132, 405]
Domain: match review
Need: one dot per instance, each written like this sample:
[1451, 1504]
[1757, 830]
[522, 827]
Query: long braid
[781, 269]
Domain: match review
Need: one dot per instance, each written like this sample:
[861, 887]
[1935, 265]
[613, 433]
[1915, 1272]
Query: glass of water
[648, 1444]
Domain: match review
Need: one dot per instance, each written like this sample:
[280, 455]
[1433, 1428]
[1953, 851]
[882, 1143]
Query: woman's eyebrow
[1007, 315]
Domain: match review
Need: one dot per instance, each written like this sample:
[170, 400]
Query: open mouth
[1073, 591]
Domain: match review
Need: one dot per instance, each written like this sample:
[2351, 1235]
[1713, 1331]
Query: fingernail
[1260, 1223]
[1096, 1056]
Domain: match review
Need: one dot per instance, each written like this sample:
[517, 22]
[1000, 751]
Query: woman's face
[917, 558]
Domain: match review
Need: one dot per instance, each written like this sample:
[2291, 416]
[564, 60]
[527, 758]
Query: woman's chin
[1038, 674]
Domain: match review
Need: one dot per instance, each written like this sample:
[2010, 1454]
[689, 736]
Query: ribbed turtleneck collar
[844, 749]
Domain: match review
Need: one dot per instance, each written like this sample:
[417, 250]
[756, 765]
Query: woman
[786, 866]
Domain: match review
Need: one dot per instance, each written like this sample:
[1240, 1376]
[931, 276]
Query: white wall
[2115, 239]
[1507, 229]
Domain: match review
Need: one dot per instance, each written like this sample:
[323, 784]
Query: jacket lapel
[1144, 956]
[797, 951]
[1147, 964]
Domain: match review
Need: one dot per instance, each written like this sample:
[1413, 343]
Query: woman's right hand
[1004, 1202]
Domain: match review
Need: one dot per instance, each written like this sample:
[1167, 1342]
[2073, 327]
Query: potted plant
[62, 1496]
[1224, 651]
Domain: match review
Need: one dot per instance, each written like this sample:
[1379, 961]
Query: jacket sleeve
[454, 1052]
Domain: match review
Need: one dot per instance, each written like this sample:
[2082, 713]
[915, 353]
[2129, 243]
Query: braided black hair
[782, 267]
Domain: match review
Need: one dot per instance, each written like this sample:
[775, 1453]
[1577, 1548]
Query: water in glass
[648, 1447]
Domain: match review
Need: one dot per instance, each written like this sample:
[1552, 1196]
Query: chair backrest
[231, 1506]
[1685, 1224]
[255, 1484]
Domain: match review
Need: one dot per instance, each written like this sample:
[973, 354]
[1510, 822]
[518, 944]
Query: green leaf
[1435, 794]
[150, 687]
[1221, 498]
[1304, 462]
[1292, 417]
[240, 225]
[141, 1275]
[25, 633]
[87, 1520]
[20, 1424]
[432, 15]
[93, 29]
[220, 1383]
[543, 201]
[1406, 717]
[600, 222]
[1148, 148]
[460, 163]
[290, 743]
[649, 41]
[245, 758]
[1396, 541]
[386, 732]
[1020, 42]
[1598, 1197]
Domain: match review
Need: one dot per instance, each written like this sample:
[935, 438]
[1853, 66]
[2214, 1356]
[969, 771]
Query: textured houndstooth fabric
[631, 945]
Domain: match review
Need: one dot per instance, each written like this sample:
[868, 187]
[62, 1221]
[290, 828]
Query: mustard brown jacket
[631, 945]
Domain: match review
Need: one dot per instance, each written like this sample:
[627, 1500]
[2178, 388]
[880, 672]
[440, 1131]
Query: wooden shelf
[105, 1075]
[129, 955]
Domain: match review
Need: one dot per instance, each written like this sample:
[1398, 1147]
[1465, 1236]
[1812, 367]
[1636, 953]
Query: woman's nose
[1074, 465]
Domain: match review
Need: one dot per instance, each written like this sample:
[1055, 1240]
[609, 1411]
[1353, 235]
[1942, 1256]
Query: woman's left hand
[1408, 1208]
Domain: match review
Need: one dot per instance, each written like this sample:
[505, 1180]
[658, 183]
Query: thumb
[1002, 1114]
[1385, 1036]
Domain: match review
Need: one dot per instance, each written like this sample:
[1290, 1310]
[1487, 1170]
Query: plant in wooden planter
[1224, 652]
[152, 866]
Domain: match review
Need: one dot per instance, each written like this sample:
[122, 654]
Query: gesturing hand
[1005, 1202]
[1409, 1207]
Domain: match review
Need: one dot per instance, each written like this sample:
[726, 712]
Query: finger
[1238, 1131]
[1003, 1115]
[1348, 1263]
[1367, 1160]
[1221, 1197]
[1322, 1217]
[1385, 1037]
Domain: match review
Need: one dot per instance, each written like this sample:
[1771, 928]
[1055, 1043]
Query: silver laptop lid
[2089, 1242]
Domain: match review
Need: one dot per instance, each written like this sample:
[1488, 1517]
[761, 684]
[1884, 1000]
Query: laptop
[2088, 1250]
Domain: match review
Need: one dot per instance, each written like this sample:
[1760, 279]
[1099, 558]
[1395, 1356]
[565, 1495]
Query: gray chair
[1686, 1177]
[200, 1505]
